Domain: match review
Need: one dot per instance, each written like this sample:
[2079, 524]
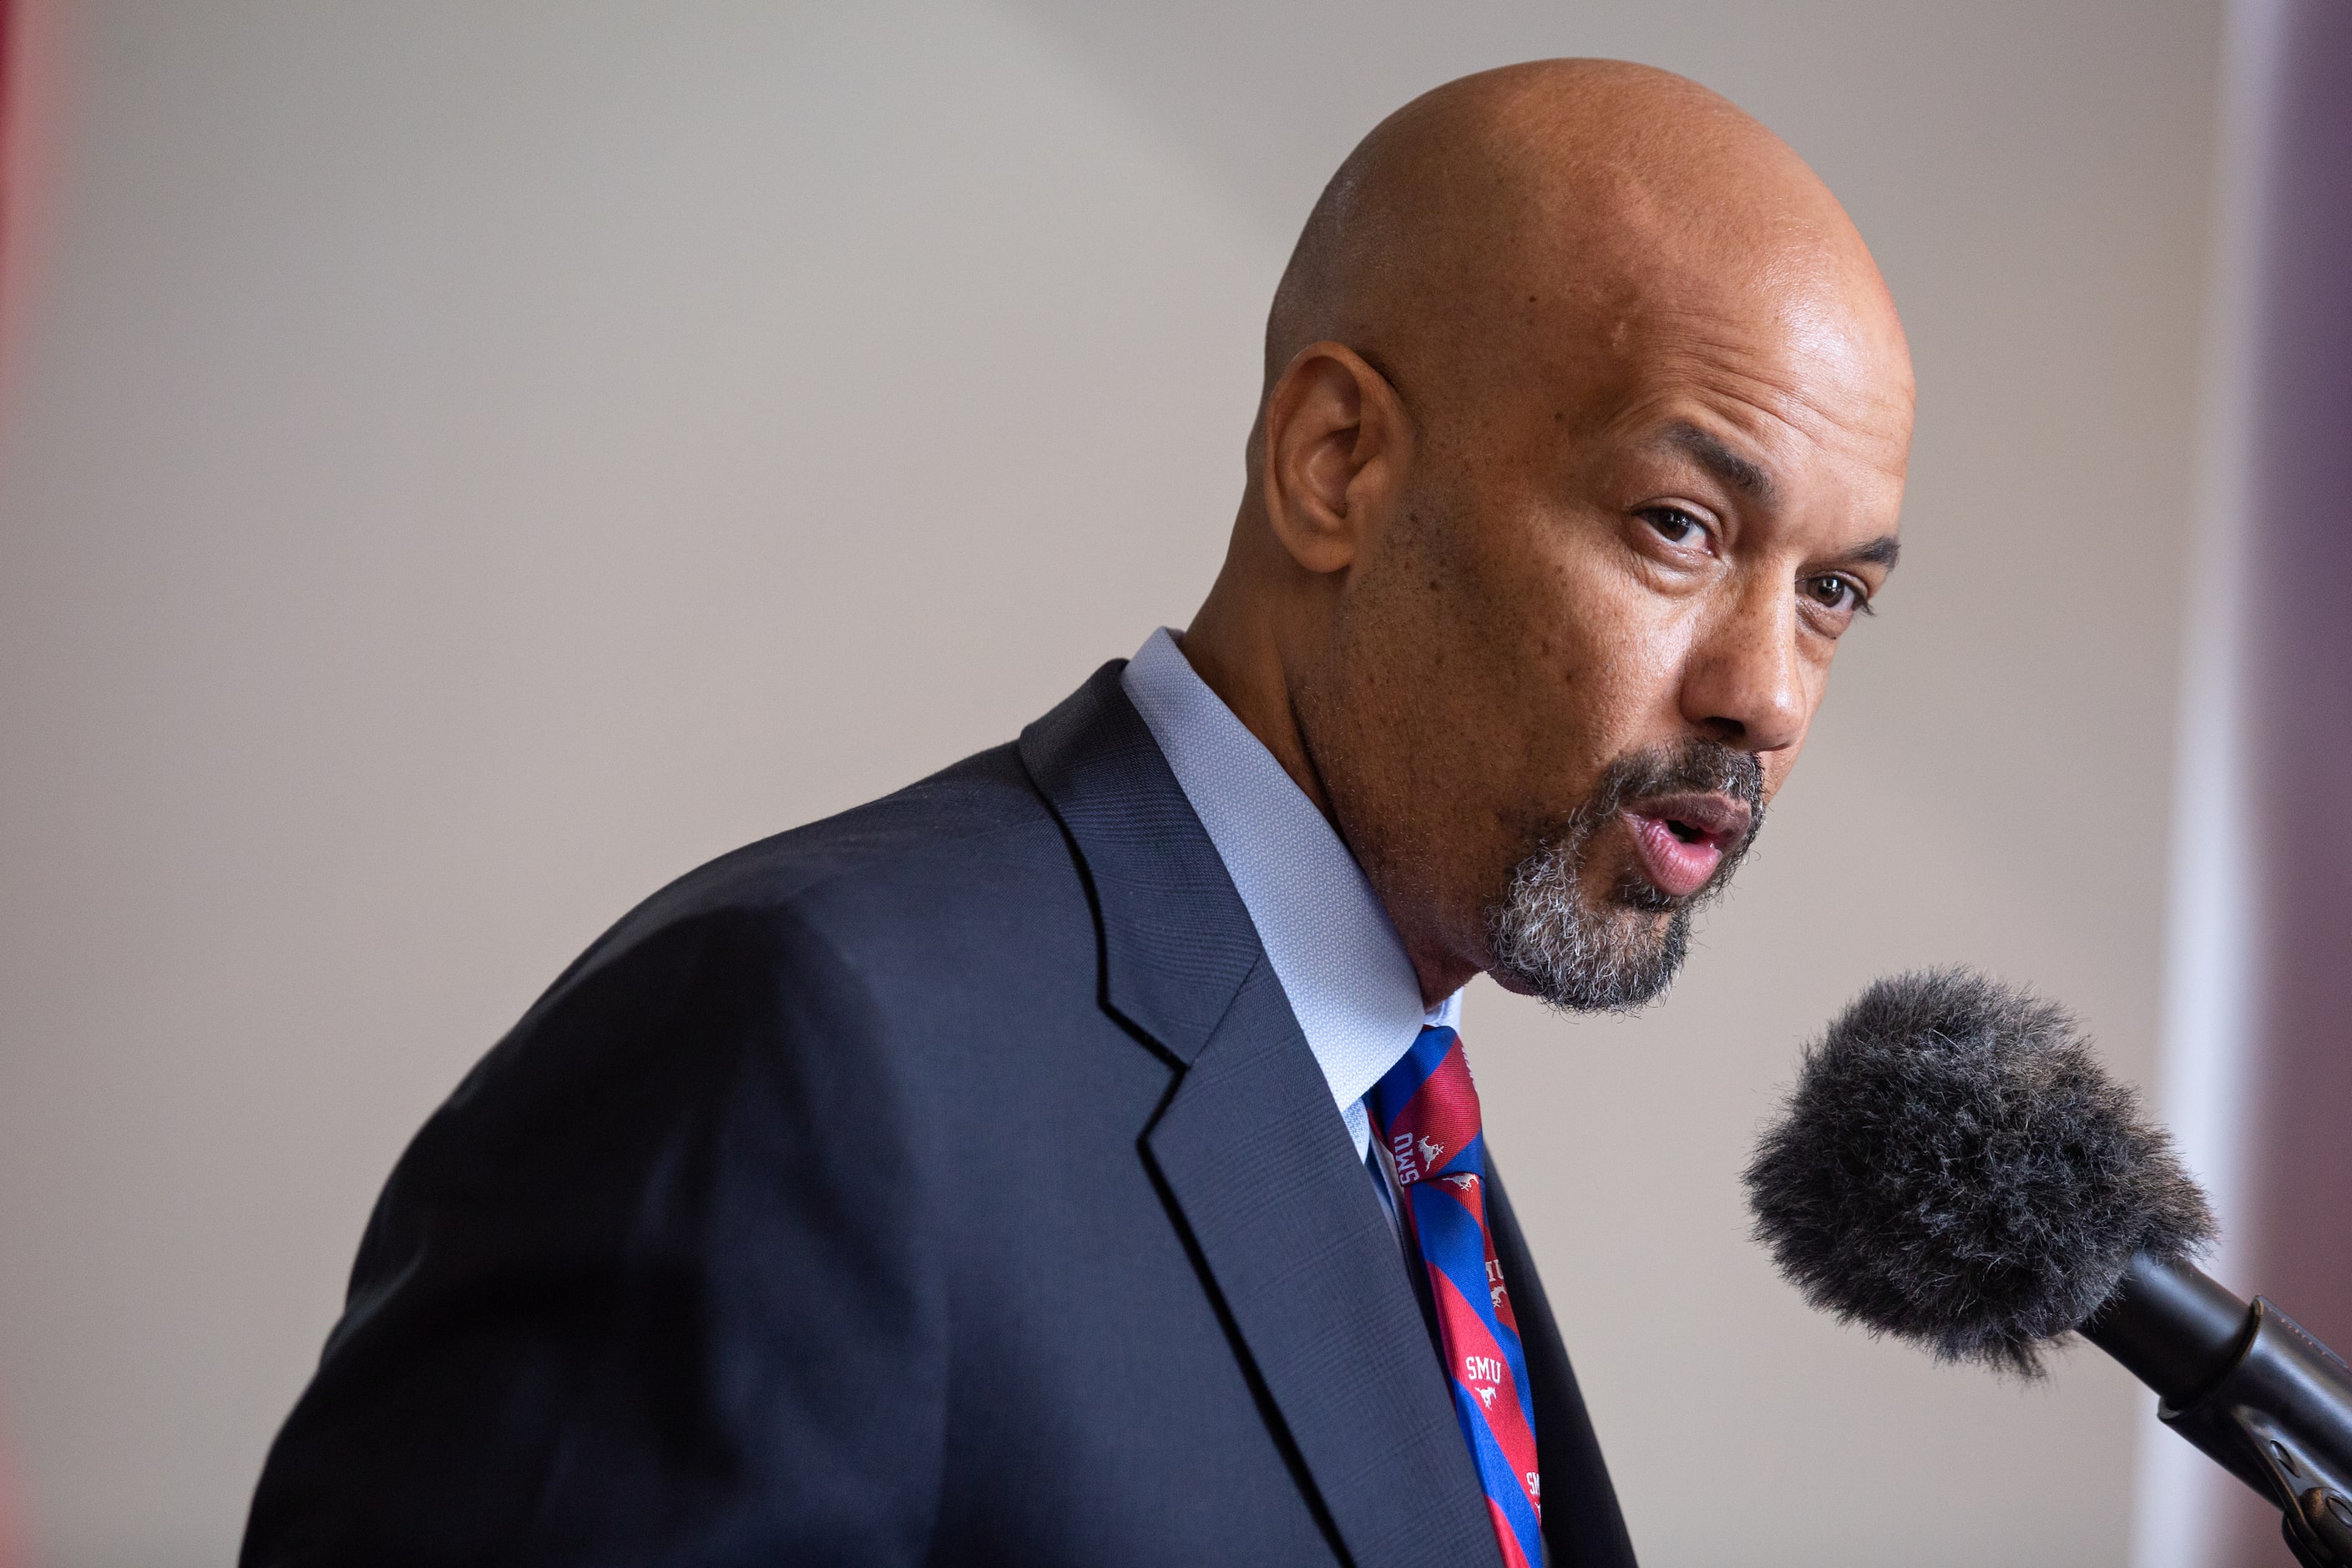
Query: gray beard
[1619, 957]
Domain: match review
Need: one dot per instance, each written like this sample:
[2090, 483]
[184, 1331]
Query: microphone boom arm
[2247, 1385]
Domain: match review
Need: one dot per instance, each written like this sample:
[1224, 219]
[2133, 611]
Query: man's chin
[1511, 982]
[1591, 923]
[1615, 962]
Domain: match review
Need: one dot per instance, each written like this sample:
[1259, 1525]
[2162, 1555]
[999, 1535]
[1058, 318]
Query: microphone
[1953, 1168]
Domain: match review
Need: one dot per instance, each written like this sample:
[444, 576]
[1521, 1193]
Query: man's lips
[1680, 839]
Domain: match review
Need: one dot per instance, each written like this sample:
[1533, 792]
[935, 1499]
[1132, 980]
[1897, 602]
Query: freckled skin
[1585, 406]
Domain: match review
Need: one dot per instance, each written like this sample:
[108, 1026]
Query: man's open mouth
[1680, 839]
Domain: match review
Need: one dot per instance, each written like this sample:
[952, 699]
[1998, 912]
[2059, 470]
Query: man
[1071, 1159]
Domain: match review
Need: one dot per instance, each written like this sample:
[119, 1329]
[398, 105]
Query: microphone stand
[2247, 1385]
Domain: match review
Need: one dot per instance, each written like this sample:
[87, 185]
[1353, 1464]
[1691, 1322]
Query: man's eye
[1673, 525]
[1834, 592]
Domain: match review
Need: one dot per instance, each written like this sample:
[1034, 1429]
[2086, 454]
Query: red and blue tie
[1427, 1113]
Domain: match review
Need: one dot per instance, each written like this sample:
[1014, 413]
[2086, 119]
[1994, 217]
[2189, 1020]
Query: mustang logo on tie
[1431, 1153]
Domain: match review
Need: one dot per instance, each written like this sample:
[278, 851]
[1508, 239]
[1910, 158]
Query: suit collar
[1176, 940]
[1256, 1164]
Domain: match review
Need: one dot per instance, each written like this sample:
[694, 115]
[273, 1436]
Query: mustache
[1695, 764]
[1705, 766]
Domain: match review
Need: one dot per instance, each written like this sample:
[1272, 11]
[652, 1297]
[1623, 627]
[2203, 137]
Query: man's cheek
[1776, 768]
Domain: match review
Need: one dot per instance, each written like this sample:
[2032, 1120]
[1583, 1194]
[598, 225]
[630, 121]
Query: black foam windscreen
[1954, 1167]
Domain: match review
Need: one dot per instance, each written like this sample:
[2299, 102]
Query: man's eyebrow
[1710, 452]
[1879, 551]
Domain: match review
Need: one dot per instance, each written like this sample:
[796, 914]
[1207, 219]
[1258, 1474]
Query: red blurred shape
[29, 83]
[13, 181]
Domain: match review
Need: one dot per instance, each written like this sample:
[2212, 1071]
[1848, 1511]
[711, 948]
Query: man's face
[1583, 651]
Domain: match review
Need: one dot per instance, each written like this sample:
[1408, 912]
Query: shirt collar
[1345, 971]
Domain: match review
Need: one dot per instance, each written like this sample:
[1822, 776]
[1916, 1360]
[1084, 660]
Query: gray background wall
[464, 463]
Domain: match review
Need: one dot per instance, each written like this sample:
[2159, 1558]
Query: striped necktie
[1426, 1112]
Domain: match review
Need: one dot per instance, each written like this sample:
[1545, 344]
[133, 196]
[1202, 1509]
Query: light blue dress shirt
[1341, 961]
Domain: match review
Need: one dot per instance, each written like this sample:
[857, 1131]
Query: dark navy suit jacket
[947, 1182]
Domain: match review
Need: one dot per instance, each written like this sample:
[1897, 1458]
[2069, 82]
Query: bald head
[1581, 444]
[1566, 205]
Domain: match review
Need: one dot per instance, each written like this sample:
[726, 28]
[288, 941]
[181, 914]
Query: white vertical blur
[2213, 930]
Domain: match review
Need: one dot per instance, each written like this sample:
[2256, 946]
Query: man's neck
[1237, 656]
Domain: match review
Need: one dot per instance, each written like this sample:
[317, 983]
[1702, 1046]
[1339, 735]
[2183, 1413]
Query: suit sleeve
[655, 1287]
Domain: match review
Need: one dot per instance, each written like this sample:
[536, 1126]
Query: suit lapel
[1255, 1161]
[1262, 1169]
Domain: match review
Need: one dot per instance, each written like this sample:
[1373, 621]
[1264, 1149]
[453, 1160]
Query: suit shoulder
[938, 842]
[728, 953]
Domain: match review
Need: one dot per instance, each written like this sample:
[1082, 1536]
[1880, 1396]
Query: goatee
[1617, 956]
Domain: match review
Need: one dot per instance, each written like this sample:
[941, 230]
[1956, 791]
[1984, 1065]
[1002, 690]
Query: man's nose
[1746, 684]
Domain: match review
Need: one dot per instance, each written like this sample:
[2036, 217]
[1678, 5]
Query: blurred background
[462, 464]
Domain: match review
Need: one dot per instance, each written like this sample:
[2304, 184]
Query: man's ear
[1337, 440]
